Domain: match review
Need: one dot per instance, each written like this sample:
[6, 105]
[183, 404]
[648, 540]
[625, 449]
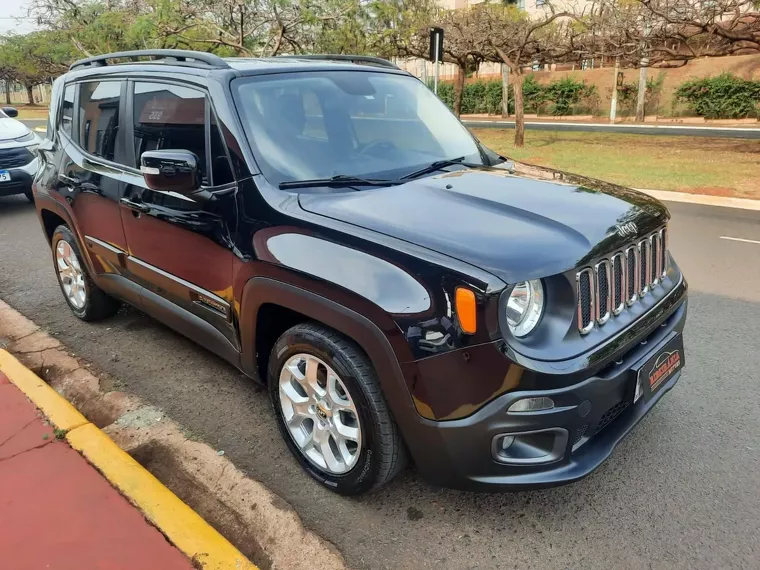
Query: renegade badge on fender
[327, 226]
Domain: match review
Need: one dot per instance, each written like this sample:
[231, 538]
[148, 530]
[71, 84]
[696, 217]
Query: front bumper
[21, 179]
[588, 421]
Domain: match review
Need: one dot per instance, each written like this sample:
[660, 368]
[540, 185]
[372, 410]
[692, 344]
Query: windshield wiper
[337, 181]
[439, 165]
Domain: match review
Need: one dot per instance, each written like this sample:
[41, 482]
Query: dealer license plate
[656, 371]
[5, 176]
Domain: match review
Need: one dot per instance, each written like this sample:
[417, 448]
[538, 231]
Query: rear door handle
[136, 206]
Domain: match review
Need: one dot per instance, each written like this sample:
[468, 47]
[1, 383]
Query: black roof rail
[175, 56]
[366, 59]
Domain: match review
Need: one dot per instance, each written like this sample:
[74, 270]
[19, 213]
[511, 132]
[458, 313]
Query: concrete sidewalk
[57, 511]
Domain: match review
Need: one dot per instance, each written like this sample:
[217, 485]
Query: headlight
[525, 307]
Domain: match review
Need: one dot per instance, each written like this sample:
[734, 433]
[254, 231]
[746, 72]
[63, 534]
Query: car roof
[253, 66]
[203, 64]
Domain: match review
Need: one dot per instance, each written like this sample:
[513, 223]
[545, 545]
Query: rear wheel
[331, 410]
[85, 299]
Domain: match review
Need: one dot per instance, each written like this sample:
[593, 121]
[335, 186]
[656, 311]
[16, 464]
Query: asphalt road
[628, 129]
[683, 491]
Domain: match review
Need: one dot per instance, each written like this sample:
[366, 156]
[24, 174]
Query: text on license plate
[5, 176]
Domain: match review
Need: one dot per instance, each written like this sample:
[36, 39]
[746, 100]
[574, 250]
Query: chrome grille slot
[663, 253]
[656, 260]
[632, 275]
[585, 282]
[620, 280]
[618, 283]
[603, 292]
[643, 267]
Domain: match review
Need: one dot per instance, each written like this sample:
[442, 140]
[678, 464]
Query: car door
[90, 174]
[180, 250]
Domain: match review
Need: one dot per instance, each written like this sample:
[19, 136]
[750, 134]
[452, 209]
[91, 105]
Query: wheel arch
[260, 293]
[51, 220]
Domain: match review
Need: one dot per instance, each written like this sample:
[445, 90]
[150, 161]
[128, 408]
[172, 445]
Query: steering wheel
[385, 146]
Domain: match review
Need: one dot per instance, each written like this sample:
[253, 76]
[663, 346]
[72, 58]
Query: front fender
[373, 339]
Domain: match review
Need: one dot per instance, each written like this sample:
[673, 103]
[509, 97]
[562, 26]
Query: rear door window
[99, 118]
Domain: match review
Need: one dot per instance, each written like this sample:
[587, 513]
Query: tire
[29, 195]
[95, 304]
[380, 454]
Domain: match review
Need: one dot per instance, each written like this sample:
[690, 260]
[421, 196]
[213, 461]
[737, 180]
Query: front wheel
[331, 410]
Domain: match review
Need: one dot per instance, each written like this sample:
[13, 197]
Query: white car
[18, 155]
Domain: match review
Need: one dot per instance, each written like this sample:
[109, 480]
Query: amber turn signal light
[466, 310]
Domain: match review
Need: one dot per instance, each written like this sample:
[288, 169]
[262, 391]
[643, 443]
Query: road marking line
[740, 239]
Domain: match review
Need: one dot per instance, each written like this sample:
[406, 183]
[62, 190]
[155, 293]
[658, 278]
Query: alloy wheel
[71, 274]
[320, 414]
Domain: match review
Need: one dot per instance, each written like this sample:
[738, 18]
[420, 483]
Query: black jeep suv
[327, 226]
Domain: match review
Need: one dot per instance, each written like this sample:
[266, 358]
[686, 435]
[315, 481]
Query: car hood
[11, 129]
[516, 227]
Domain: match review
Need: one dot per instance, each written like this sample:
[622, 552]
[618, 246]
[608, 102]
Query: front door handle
[136, 206]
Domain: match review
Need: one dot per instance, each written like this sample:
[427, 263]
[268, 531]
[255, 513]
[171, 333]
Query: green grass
[32, 113]
[26, 111]
[723, 167]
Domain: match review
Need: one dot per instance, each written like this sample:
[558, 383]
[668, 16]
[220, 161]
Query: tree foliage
[723, 97]
[559, 97]
[637, 32]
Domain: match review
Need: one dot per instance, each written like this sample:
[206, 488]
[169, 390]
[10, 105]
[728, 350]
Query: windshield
[347, 123]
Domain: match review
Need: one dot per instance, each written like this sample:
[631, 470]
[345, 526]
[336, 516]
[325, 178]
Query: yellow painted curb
[182, 525]
[179, 523]
[62, 414]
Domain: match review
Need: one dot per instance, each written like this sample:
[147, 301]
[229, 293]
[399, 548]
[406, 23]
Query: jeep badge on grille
[628, 229]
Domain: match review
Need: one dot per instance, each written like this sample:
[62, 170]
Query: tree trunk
[613, 103]
[459, 89]
[7, 93]
[517, 85]
[504, 91]
[641, 100]
[30, 93]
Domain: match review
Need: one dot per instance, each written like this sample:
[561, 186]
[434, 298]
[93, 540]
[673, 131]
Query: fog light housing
[530, 447]
[506, 441]
[531, 405]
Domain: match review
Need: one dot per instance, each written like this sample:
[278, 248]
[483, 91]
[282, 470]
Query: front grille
[610, 415]
[14, 157]
[620, 280]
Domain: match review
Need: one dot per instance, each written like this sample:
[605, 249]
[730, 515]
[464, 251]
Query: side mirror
[12, 112]
[171, 170]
